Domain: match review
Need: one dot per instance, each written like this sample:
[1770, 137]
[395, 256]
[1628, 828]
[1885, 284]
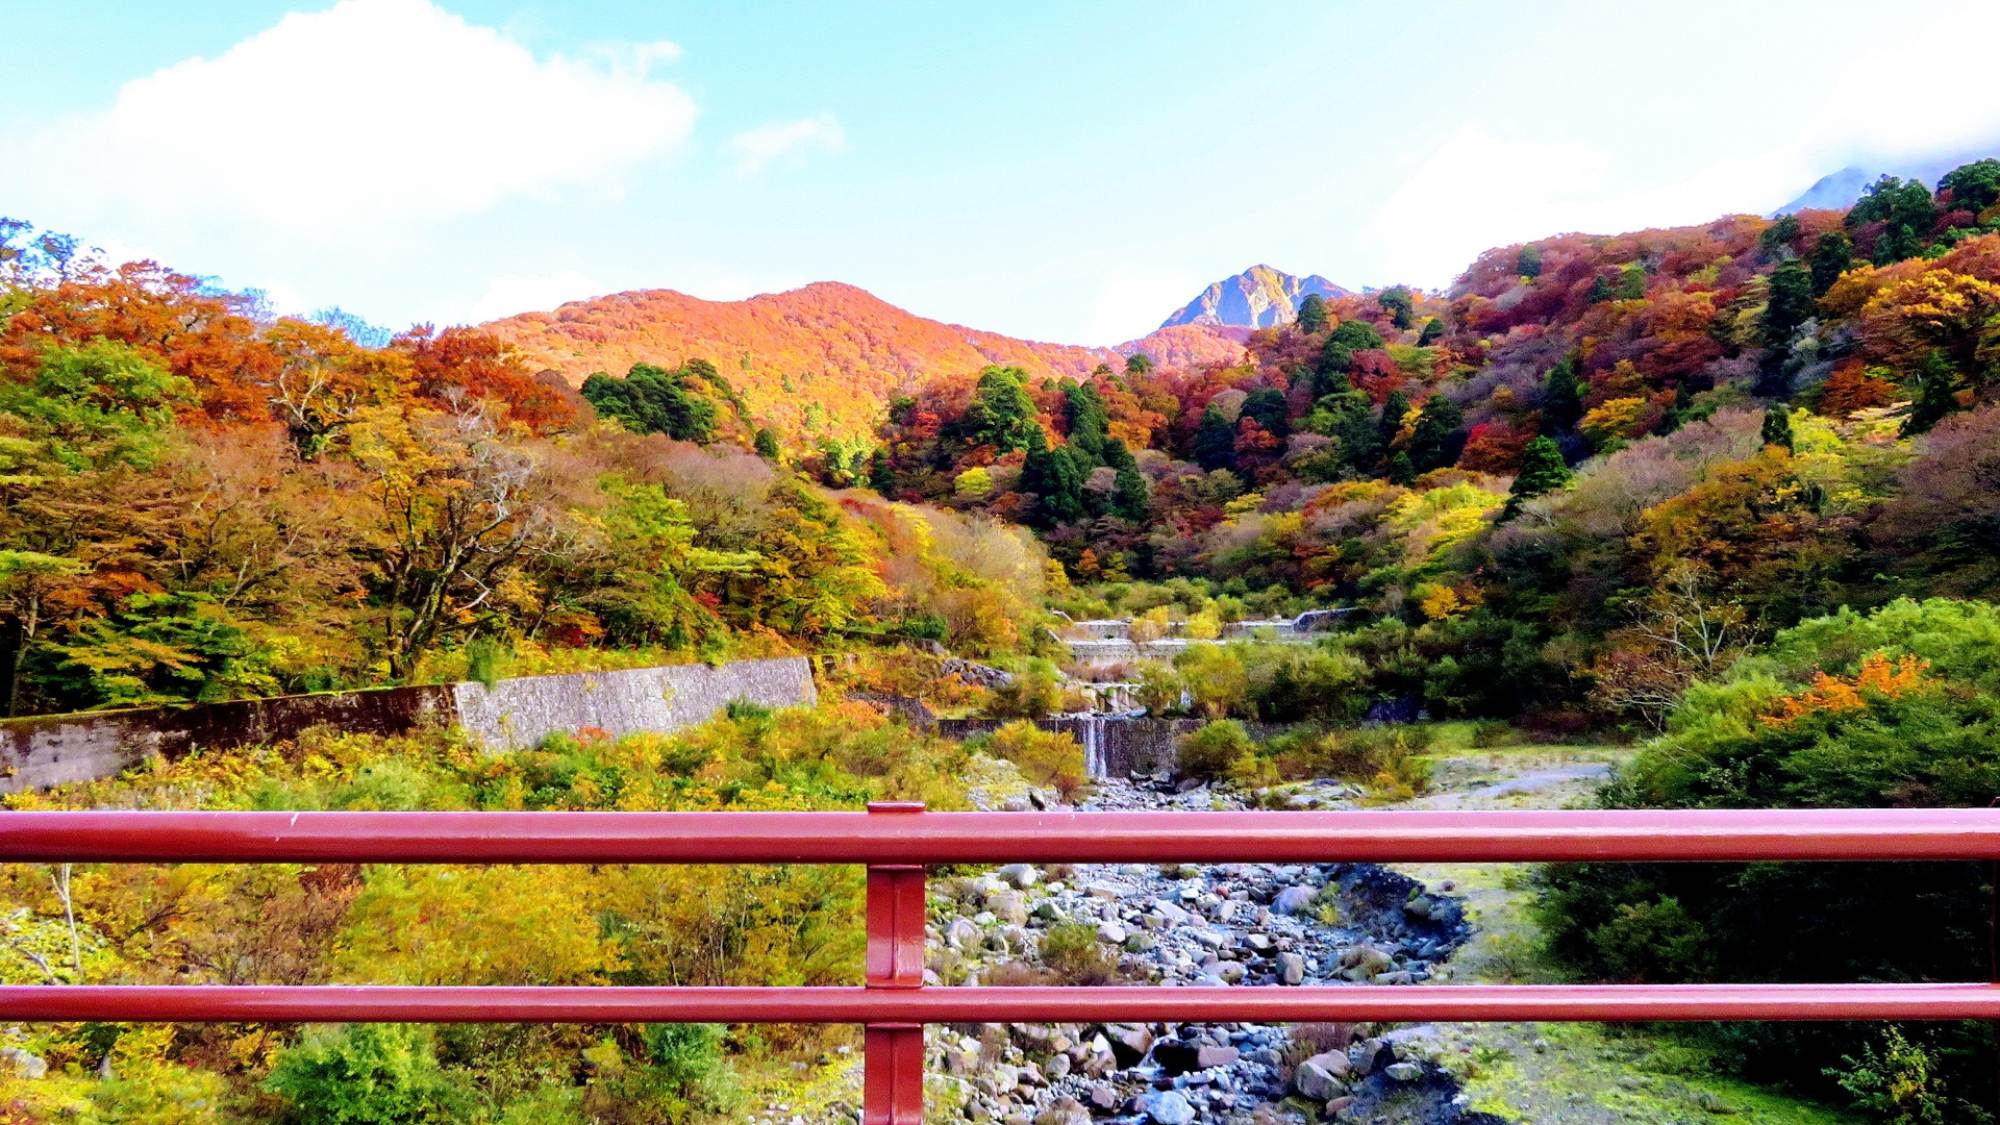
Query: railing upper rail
[1040, 1004]
[917, 838]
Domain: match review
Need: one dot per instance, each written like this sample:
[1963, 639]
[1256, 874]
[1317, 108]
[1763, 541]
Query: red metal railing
[896, 841]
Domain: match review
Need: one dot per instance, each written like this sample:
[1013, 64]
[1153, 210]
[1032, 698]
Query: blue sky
[1061, 171]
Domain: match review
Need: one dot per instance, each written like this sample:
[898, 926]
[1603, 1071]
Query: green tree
[1138, 363]
[1432, 333]
[767, 444]
[653, 400]
[1337, 354]
[1002, 414]
[1390, 423]
[1780, 239]
[1542, 470]
[1777, 428]
[1791, 304]
[1435, 442]
[1267, 407]
[881, 473]
[1832, 256]
[1528, 263]
[1400, 304]
[157, 648]
[96, 406]
[1973, 187]
[1056, 480]
[1601, 289]
[1130, 498]
[366, 1074]
[1562, 397]
[1215, 440]
[1937, 394]
[1312, 314]
[1906, 211]
[1087, 417]
[1631, 282]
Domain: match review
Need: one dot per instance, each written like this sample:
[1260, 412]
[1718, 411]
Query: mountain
[1259, 297]
[820, 361]
[1839, 190]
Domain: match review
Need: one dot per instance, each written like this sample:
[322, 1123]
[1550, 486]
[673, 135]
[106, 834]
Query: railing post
[1993, 954]
[893, 1054]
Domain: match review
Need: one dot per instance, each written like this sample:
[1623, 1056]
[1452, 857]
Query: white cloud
[371, 115]
[757, 148]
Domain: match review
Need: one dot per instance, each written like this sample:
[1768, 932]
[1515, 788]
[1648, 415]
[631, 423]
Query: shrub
[1071, 951]
[1046, 758]
[366, 1074]
[1035, 692]
[1209, 752]
[1896, 708]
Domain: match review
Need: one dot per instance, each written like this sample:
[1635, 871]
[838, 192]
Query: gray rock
[1313, 1080]
[1404, 1071]
[1008, 906]
[1291, 968]
[1294, 900]
[1019, 875]
[23, 1063]
[1167, 1107]
[1129, 1041]
[1064, 1111]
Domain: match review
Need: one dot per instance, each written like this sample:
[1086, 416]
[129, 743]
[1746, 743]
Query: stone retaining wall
[47, 750]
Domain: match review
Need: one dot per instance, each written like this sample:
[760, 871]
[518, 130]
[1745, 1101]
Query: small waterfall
[1090, 731]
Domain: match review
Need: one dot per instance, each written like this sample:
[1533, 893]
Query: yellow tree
[453, 506]
[1938, 310]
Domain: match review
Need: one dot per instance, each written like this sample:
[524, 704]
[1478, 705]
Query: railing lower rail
[896, 841]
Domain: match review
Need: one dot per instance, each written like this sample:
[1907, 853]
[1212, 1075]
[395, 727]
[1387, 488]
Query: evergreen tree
[1349, 419]
[1312, 314]
[1435, 443]
[1215, 441]
[1528, 263]
[1432, 333]
[1631, 282]
[881, 476]
[1780, 238]
[1050, 475]
[1831, 257]
[1001, 414]
[1562, 397]
[1398, 302]
[1601, 290]
[1394, 408]
[1790, 305]
[1778, 426]
[1129, 497]
[1937, 394]
[1268, 408]
[1974, 187]
[767, 444]
[1138, 363]
[1906, 211]
[1337, 354]
[1542, 470]
[652, 400]
[1087, 417]
[1402, 470]
[1063, 502]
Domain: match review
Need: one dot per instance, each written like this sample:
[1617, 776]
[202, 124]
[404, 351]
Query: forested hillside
[1538, 479]
[198, 501]
[814, 364]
